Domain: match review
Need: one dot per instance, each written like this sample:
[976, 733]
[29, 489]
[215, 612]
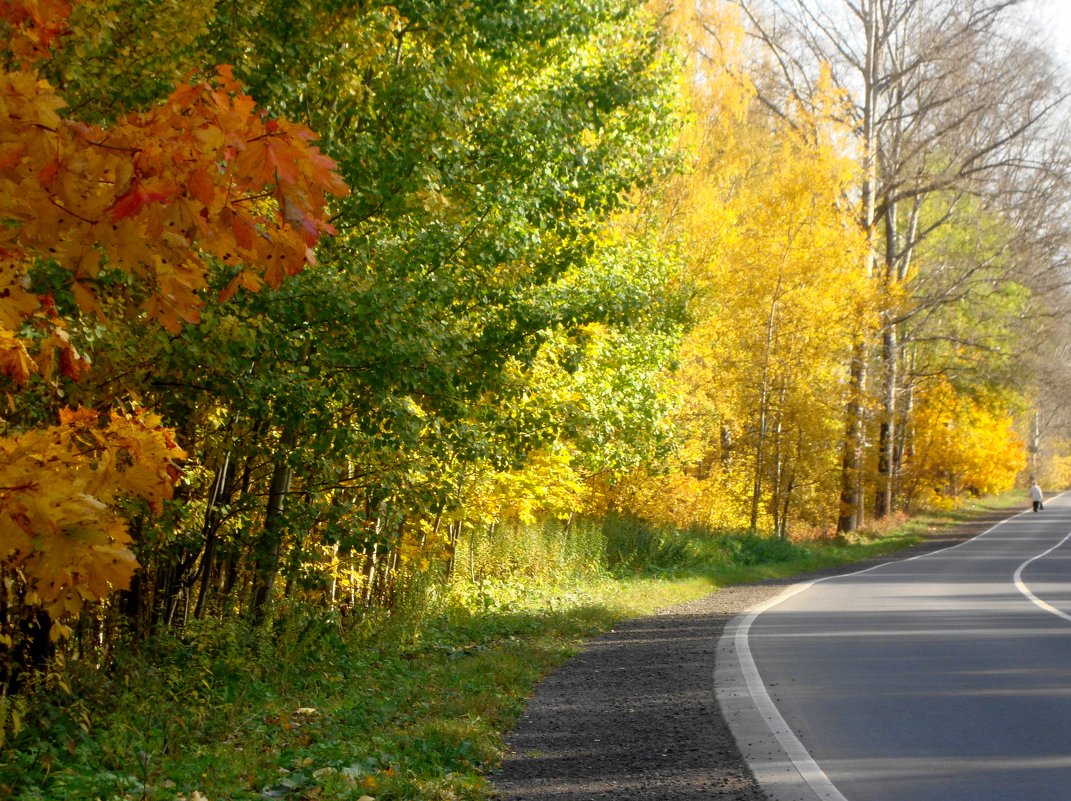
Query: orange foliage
[33, 26]
[202, 174]
[160, 194]
[56, 484]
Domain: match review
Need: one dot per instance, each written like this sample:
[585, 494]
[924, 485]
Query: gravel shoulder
[634, 714]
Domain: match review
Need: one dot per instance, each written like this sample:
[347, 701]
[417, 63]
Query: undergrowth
[411, 705]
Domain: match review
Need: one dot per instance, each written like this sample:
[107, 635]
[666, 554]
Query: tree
[484, 172]
[772, 249]
[103, 223]
[962, 444]
[336, 419]
[949, 100]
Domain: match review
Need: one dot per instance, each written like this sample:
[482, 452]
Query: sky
[1055, 17]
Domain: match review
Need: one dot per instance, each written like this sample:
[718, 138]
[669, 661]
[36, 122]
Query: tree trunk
[756, 488]
[764, 401]
[852, 454]
[887, 430]
[267, 555]
[221, 490]
[851, 500]
[370, 573]
[782, 531]
[903, 448]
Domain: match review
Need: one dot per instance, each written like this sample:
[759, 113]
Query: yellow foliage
[717, 500]
[775, 257]
[960, 444]
[547, 484]
[422, 546]
[1055, 471]
[60, 532]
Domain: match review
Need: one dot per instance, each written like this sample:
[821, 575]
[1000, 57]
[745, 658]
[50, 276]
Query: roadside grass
[411, 706]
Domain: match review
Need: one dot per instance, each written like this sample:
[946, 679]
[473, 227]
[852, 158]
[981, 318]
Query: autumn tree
[334, 421]
[769, 237]
[961, 443]
[108, 224]
[951, 103]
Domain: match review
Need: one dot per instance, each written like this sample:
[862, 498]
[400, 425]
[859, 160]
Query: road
[945, 677]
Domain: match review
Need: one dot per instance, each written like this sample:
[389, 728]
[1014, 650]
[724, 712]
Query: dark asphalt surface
[934, 678]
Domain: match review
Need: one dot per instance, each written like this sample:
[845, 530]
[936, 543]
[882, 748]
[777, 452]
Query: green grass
[408, 707]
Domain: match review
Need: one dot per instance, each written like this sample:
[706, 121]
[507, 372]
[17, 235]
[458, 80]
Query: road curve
[945, 677]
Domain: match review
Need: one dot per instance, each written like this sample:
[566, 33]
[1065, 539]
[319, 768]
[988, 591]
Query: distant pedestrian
[1037, 497]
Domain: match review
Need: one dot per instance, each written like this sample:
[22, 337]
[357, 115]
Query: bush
[632, 544]
[748, 550]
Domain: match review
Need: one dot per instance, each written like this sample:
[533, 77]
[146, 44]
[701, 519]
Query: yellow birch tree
[768, 225]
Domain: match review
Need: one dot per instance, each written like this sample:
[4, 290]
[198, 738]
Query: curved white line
[1021, 585]
[796, 752]
[794, 749]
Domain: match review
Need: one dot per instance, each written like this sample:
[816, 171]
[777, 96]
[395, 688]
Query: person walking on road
[1037, 497]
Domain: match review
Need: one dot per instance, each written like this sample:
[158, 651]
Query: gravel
[634, 716]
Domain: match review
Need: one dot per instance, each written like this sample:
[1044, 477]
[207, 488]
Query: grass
[413, 707]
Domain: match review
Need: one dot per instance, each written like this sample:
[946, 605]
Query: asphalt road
[945, 677]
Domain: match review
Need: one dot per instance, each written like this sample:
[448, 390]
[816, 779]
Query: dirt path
[634, 716]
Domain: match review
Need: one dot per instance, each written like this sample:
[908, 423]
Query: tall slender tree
[951, 100]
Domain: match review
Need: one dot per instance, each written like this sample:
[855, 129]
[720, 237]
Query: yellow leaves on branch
[961, 444]
[57, 487]
[548, 483]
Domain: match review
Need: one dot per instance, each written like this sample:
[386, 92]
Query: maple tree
[133, 216]
[58, 487]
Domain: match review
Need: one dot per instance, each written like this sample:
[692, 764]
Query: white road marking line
[1021, 585]
[794, 749]
[796, 752]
